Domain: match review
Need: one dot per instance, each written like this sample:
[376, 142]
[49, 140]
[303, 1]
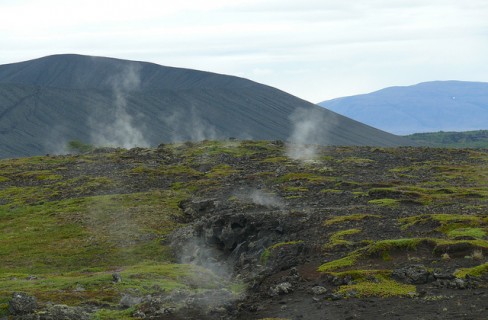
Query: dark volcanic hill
[46, 102]
[425, 107]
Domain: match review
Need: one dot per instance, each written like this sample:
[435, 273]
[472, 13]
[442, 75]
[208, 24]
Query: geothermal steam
[119, 128]
[310, 128]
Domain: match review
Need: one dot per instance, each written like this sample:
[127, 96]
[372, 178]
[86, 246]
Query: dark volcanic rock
[21, 304]
[63, 312]
[414, 274]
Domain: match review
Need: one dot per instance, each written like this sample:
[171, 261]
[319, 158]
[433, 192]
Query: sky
[313, 49]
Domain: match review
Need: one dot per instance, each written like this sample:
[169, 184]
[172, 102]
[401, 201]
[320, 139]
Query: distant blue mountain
[425, 107]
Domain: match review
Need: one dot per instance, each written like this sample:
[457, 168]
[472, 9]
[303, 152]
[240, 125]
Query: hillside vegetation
[467, 139]
[238, 230]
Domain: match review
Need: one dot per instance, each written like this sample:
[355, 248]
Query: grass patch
[453, 225]
[351, 217]
[385, 202]
[477, 271]
[381, 287]
[337, 238]
[220, 171]
[344, 262]
[477, 233]
[294, 176]
[294, 189]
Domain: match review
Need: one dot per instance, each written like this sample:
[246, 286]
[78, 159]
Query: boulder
[21, 304]
[413, 274]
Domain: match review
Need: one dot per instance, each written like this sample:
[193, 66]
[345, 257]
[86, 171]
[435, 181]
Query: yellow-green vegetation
[357, 161]
[344, 262]
[402, 194]
[269, 251]
[453, 225]
[383, 248]
[475, 271]
[381, 287]
[477, 233]
[276, 159]
[337, 238]
[361, 274]
[91, 283]
[83, 240]
[220, 171]
[385, 202]
[294, 189]
[330, 191]
[351, 217]
[89, 231]
[306, 176]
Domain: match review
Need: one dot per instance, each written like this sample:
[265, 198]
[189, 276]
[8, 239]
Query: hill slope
[466, 139]
[425, 107]
[48, 101]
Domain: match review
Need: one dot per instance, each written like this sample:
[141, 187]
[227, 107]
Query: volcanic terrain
[239, 230]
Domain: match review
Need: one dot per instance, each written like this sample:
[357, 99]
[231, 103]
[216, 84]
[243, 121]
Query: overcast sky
[314, 49]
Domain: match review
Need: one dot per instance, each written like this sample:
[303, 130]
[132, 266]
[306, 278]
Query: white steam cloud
[189, 126]
[310, 128]
[120, 128]
[261, 198]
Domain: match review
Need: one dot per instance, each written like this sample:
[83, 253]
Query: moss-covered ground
[68, 222]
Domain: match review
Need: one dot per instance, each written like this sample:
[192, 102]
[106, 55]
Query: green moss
[294, 176]
[380, 288]
[357, 161]
[344, 262]
[331, 191]
[337, 238]
[449, 223]
[385, 202]
[294, 189]
[107, 314]
[220, 171]
[361, 274]
[474, 271]
[383, 247]
[477, 233]
[178, 170]
[276, 160]
[351, 217]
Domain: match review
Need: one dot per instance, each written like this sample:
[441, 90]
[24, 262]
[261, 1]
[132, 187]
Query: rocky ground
[240, 230]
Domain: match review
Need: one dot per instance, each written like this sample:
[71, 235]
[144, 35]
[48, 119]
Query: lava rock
[63, 312]
[318, 290]
[281, 289]
[413, 274]
[128, 301]
[21, 304]
[116, 277]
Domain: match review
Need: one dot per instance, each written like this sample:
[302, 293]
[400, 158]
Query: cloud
[338, 41]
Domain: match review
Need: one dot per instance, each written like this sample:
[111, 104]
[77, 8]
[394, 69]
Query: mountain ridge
[424, 107]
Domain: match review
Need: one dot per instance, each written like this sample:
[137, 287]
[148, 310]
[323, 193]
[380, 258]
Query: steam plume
[189, 126]
[261, 198]
[119, 129]
[310, 128]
